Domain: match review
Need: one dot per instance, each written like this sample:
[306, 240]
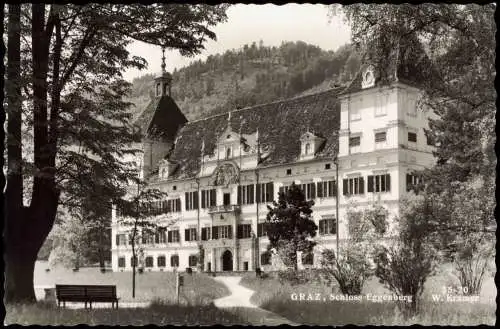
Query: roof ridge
[264, 104]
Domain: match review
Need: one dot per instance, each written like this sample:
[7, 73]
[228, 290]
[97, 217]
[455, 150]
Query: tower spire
[163, 60]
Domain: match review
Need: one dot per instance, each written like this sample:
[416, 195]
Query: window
[355, 111]
[191, 200]
[121, 262]
[149, 261]
[327, 226]
[355, 141]
[412, 106]
[354, 144]
[158, 89]
[121, 239]
[174, 187]
[228, 152]
[289, 172]
[244, 231]
[246, 194]
[193, 260]
[224, 232]
[283, 189]
[412, 181]
[379, 183]
[308, 258]
[412, 137]
[245, 266]
[430, 138]
[161, 261]
[380, 137]
[353, 186]
[173, 205]
[148, 238]
[160, 236]
[308, 149]
[174, 261]
[265, 258]
[173, 236]
[327, 189]
[133, 261]
[309, 190]
[208, 198]
[261, 229]
[381, 105]
[265, 192]
[190, 234]
[327, 166]
[164, 89]
[205, 233]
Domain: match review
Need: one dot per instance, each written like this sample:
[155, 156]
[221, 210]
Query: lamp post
[336, 162]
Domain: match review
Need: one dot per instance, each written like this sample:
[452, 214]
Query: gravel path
[239, 302]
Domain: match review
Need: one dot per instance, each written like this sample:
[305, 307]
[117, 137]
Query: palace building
[351, 146]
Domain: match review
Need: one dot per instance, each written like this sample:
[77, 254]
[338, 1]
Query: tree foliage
[66, 63]
[405, 263]
[351, 267]
[289, 225]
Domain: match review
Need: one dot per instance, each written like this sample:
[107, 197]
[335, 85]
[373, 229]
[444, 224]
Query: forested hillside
[254, 74]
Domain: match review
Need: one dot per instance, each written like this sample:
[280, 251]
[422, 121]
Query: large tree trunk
[27, 228]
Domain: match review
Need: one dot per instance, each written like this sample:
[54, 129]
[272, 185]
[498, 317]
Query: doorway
[227, 261]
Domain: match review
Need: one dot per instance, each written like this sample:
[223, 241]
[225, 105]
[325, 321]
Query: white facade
[378, 122]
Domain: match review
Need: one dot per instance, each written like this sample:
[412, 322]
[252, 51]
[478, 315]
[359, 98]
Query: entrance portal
[227, 261]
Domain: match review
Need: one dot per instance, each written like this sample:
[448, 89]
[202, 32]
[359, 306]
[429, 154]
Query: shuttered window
[265, 192]
[380, 137]
[174, 261]
[353, 186]
[327, 226]
[190, 234]
[246, 194]
[244, 231]
[173, 236]
[379, 183]
[205, 233]
[309, 190]
[412, 137]
[191, 200]
[149, 261]
[327, 189]
[208, 198]
[161, 261]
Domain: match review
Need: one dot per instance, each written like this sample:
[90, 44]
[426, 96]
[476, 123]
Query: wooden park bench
[86, 294]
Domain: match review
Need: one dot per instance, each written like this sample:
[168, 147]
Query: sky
[248, 23]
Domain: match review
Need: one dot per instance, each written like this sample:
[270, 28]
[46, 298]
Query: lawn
[277, 297]
[198, 288]
[157, 287]
[158, 314]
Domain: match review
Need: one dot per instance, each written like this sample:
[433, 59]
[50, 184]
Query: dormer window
[310, 144]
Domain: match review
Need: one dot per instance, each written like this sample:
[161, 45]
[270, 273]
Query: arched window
[133, 261]
[174, 261]
[308, 258]
[157, 89]
[193, 260]
[163, 173]
[161, 261]
[149, 261]
[308, 148]
[164, 89]
[265, 258]
[228, 153]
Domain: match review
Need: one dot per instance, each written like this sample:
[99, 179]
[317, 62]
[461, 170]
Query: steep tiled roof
[405, 62]
[161, 118]
[280, 126]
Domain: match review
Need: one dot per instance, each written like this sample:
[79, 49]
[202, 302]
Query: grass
[198, 288]
[196, 300]
[158, 314]
[275, 296]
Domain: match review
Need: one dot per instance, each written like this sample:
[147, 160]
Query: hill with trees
[253, 74]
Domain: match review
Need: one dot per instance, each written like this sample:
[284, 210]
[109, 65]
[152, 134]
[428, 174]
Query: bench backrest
[85, 291]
